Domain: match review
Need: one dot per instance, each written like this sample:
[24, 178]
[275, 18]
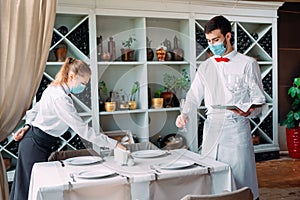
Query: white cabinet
[78, 25]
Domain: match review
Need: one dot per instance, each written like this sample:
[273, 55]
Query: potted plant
[133, 93]
[104, 101]
[127, 51]
[157, 101]
[172, 85]
[292, 120]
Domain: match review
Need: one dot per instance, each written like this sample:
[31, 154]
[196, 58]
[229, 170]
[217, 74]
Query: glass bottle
[178, 53]
[112, 49]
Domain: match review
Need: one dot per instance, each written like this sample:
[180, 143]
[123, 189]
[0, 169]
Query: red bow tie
[221, 59]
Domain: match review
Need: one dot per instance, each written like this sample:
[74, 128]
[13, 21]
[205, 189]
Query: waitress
[51, 117]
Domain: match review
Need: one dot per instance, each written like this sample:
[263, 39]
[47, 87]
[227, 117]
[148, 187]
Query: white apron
[229, 141]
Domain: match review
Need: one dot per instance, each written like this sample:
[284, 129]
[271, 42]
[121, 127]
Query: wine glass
[185, 109]
[234, 83]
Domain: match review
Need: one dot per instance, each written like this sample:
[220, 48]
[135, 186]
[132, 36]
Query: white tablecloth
[51, 181]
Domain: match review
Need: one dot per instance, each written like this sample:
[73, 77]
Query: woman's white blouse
[55, 113]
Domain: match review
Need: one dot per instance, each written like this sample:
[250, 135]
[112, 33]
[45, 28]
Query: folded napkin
[121, 156]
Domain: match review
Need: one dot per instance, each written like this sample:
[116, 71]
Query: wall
[288, 59]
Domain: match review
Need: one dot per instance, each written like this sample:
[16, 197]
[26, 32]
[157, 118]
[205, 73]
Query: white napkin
[121, 156]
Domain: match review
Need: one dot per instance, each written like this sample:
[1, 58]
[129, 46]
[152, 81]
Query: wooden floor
[279, 178]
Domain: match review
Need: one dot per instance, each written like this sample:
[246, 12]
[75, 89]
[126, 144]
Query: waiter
[225, 78]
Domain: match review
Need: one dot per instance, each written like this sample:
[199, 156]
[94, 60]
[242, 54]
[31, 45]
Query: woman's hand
[121, 146]
[20, 133]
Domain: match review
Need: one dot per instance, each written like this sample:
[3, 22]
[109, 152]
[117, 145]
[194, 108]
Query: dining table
[153, 175]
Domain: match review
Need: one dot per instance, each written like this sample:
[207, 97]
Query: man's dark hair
[218, 22]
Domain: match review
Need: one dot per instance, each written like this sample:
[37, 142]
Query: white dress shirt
[210, 84]
[55, 113]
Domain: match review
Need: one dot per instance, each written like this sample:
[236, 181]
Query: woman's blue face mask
[217, 49]
[77, 89]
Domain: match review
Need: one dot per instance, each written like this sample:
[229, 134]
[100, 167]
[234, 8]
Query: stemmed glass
[185, 109]
[234, 83]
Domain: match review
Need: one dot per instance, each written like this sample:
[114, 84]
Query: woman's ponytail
[70, 65]
[62, 75]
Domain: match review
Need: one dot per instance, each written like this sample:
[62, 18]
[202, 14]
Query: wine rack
[80, 37]
[243, 40]
[267, 83]
[43, 85]
[266, 42]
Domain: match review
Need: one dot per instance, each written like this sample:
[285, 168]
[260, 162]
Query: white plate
[94, 174]
[83, 160]
[148, 153]
[176, 164]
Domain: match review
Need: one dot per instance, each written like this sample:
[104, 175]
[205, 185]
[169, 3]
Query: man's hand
[181, 122]
[20, 133]
[241, 113]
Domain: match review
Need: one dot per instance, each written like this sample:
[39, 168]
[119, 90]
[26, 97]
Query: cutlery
[197, 164]
[62, 163]
[153, 168]
[72, 177]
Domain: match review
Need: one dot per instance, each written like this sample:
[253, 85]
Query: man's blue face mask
[217, 49]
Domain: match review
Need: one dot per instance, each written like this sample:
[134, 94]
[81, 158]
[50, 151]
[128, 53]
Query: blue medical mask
[77, 89]
[217, 49]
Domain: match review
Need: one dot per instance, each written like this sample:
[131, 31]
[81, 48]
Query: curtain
[26, 28]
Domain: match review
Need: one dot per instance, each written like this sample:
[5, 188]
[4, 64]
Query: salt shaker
[130, 161]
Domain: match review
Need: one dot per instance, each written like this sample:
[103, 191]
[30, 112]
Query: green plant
[134, 90]
[293, 117]
[128, 43]
[171, 82]
[103, 90]
[158, 92]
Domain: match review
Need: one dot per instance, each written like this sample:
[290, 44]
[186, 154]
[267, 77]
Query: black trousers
[36, 146]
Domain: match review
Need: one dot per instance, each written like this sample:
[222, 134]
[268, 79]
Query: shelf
[152, 110]
[120, 112]
[168, 63]
[119, 63]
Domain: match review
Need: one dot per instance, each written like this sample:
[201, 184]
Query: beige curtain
[26, 28]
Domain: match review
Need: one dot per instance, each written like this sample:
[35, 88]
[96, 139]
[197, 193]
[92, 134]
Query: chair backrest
[244, 193]
[65, 154]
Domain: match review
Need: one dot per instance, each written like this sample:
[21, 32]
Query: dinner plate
[90, 174]
[179, 164]
[83, 160]
[148, 153]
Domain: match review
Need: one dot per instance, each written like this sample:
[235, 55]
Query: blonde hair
[74, 65]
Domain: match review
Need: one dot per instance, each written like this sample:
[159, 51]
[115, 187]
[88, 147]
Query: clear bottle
[159, 142]
[124, 105]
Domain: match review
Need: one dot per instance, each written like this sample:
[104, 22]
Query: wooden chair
[244, 193]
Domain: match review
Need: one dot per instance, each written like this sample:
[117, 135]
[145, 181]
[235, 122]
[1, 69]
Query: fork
[153, 168]
[72, 177]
